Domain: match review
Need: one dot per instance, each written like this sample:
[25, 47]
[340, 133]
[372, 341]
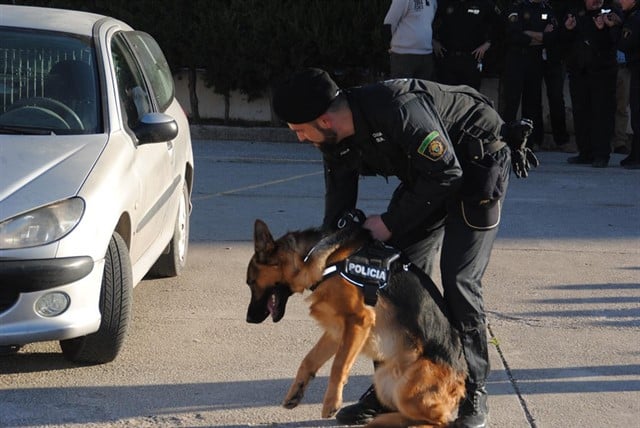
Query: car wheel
[173, 261]
[115, 307]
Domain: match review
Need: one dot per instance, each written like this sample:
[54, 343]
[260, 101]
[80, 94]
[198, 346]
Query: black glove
[522, 158]
[350, 217]
[522, 161]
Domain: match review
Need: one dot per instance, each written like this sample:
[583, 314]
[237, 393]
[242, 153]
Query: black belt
[494, 146]
[459, 53]
[530, 49]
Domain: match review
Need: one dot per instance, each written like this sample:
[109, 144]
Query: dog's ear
[262, 238]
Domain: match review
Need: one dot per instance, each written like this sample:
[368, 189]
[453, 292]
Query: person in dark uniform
[530, 30]
[592, 32]
[425, 134]
[462, 33]
[629, 44]
[553, 74]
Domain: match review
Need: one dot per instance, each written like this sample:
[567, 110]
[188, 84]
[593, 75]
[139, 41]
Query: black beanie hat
[305, 96]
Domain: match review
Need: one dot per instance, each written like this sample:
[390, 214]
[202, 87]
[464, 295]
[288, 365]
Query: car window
[155, 66]
[48, 82]
[132, 90]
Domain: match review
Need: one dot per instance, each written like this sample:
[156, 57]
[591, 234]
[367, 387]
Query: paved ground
[562, 293]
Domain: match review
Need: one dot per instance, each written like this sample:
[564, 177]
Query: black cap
[481, 215]
[305, 96]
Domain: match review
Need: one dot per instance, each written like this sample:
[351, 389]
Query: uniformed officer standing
[531, 27]
[592, 32]
[553, 74]
[463, 31]
[630, 44]
[397, 128]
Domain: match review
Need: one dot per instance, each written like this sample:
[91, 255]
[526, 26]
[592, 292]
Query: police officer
[463, 31]
[397, 128]
[553, 74]
[591, 64]
[629, 44]
[531, 27]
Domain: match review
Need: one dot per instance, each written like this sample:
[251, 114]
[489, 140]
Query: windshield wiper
[24, 130]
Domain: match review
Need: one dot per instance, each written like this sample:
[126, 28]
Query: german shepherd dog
[422, 371]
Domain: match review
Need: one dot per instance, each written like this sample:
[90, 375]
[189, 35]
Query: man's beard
[330, 136]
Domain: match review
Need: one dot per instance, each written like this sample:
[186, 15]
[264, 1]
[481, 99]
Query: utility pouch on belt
[476, 142]
[369, 268]
[475, 149]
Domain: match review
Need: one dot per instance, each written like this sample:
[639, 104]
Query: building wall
[211, 104]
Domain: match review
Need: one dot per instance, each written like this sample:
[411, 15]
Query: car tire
[115, 307]
[171, 263]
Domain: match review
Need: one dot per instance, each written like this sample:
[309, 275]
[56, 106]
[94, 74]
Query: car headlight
[41, 226]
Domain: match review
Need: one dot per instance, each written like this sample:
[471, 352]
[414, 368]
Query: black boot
[473, 409]
[362, 412]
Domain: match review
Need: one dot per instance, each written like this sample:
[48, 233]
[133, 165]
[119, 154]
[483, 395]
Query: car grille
[8, 298]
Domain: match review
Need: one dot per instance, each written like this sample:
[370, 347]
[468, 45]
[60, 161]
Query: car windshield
[48, 83]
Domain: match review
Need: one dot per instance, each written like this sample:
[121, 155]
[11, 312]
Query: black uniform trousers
[523, 82]
[593, 97]
[465, 254]
[458, 68]
[554, 75]
[634, 106]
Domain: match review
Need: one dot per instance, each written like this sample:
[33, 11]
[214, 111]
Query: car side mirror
[156, 128]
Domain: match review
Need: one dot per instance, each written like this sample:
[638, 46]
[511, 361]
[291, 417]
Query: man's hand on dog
[377, 228]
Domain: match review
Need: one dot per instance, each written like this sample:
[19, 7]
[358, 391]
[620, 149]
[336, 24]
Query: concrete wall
[211, 105]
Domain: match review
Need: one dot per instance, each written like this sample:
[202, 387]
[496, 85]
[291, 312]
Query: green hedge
[248, 45]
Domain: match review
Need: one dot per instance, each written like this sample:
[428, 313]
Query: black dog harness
[369, 268]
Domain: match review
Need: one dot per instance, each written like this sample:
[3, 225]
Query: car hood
[38, 170]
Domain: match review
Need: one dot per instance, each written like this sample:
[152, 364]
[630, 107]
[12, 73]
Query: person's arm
[495, 29]
[630, 45]
[438, 48]
[515, 33]
[551, 35]
[397, 10]
[341, 190]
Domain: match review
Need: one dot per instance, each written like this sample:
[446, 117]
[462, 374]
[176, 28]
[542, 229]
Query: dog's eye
[269, 264]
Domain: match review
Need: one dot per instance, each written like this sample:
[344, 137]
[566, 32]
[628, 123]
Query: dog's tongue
[271, 304]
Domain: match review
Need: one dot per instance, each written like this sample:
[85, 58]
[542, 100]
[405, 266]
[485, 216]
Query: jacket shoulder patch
[432, 147]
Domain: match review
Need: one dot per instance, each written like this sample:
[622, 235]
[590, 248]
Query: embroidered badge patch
[432, 147]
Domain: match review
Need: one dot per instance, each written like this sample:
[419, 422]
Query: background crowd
[595, 44]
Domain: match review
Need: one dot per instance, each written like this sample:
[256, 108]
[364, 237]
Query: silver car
[96, 172]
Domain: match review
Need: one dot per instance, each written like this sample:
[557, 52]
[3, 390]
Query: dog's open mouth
[272, 303]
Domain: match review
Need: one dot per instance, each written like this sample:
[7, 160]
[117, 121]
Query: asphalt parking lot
[562, 294]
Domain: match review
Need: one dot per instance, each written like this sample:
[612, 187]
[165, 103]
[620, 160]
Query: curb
[239, 133]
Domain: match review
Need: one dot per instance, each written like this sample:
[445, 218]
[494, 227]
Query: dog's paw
[329, 410]
[294, 396]
[290, 404]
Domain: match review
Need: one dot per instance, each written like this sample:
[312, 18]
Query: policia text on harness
[369, 268]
